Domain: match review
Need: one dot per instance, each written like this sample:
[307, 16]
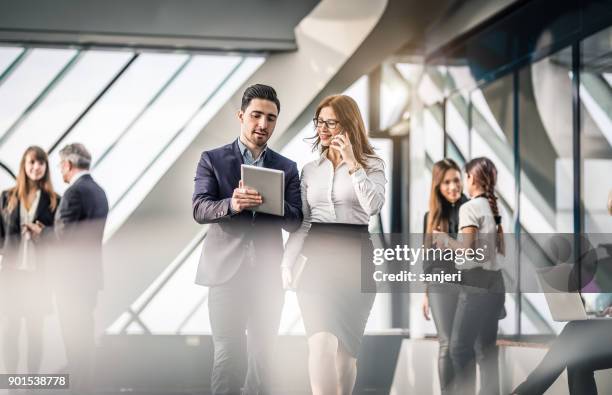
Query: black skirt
[329, 293]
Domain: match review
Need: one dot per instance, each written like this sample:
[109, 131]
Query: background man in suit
[242, 251]
[79, 226]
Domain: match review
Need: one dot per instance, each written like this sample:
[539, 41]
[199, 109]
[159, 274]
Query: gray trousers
[474, 332]
[251, 301]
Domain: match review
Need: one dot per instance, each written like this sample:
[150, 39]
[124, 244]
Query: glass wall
[596, 130]
[523, 118]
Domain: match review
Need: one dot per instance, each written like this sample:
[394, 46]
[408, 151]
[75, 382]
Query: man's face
[65, 170]
[257, 121]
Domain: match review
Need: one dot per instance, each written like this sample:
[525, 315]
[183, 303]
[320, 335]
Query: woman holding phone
[341, 190]
[445, 199]
[28, 212]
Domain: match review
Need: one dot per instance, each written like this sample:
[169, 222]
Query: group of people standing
[327, 211]
[51, 246]
[466, 314]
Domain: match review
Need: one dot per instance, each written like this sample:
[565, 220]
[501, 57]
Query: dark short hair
[259, 91]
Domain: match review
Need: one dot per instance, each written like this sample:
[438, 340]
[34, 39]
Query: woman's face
[450, 187]
[34, 169]
[327, 126]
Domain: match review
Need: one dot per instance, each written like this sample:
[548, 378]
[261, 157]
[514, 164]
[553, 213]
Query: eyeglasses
[330, 123]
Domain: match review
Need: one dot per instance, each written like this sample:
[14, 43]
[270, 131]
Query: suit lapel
[14, 219]
[43, 207]
[234, 166]
[270, 159]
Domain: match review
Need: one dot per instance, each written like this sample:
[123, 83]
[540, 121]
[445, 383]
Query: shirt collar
[77, 176]
[322, 156]
[244, 150]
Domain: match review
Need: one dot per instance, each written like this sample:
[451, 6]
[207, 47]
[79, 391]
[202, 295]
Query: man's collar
[243, 148]
[77, 176]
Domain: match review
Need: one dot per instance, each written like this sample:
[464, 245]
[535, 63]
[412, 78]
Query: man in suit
[242, 251]
[79, 227]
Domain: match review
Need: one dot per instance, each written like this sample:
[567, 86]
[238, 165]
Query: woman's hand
[425, 307]
[33, 230]
[439, 239]
[287, 278]
[342, 144]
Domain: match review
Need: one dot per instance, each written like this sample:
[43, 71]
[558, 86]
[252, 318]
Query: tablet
[270, 184]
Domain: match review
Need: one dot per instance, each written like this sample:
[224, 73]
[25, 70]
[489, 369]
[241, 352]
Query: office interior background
[148, 85]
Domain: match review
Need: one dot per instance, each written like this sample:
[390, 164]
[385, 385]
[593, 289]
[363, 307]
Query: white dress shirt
[27, 255]
[330, 196]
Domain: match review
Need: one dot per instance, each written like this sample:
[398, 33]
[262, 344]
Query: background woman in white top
[341, 190]
[28, 211]
[480, 303]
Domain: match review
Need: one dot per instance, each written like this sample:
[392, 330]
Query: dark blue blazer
[10, 229]
[79, 227]
[227, 241]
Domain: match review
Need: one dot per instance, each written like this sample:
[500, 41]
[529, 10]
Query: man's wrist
[232, 211]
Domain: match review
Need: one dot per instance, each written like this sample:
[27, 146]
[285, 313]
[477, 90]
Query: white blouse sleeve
[370, 187]
[296, 239]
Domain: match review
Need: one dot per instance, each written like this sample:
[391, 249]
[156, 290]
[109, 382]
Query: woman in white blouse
[341, 190]
[28, 211]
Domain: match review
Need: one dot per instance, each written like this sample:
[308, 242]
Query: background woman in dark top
[445, 199]
[28, 211]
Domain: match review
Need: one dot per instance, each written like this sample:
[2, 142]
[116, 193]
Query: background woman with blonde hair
[28, 212]
[341, 190]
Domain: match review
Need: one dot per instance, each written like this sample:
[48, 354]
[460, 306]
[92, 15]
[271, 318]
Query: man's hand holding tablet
[269, 186]
[244, 198]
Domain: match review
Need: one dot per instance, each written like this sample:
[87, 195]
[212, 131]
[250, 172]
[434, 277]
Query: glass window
[596, 130]
[432, 84]
[7, 56]
[58, 110]
[163, 119]
[359, 92]
[6, 180]
[453, 152]
[119, 107]
[545, 136]
[491, 136]
[457, 123]
[27, 82]
[394, 96]
[546, 197]
[157, 308]
[460, 79]
[433, 127]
